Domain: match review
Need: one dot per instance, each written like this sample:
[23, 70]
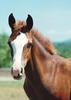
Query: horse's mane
[46, 43]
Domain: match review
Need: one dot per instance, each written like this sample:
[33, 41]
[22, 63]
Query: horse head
[20, 44]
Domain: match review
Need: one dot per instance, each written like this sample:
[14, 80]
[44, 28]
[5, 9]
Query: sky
[51, 17]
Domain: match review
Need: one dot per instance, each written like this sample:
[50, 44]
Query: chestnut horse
[47, 73]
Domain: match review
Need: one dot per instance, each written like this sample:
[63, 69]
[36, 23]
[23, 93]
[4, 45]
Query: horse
[47, 73]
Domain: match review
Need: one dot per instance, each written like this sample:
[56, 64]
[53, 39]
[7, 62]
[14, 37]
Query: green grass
[12, 90]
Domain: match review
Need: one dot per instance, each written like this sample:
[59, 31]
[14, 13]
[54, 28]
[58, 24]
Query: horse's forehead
[20, 39]
[17, 28]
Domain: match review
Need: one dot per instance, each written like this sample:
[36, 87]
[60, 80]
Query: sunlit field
[12, 90]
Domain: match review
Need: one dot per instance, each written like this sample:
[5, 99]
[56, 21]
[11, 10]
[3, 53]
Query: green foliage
[5, 58]
[64, 48]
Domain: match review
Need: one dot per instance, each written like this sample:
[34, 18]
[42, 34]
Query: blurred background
[51, 17]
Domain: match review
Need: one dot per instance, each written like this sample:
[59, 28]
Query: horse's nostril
[14, 71]
[22, 70]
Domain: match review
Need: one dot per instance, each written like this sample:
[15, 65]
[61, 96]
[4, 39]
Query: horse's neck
[40, 57]
[40, 50]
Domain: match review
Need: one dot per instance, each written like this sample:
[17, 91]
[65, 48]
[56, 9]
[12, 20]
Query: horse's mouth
[17, 77]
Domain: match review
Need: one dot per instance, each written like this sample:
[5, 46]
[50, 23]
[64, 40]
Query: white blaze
[17, 45]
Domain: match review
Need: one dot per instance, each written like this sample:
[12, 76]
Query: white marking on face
[17, 45]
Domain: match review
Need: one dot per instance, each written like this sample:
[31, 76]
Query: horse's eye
[29, 45]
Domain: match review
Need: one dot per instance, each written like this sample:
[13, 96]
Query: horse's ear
[29, 23]
[11, 20]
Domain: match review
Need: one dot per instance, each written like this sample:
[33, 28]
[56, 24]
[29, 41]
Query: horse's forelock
[19, 24]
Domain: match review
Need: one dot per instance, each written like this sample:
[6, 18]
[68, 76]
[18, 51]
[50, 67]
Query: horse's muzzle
[16, 73]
